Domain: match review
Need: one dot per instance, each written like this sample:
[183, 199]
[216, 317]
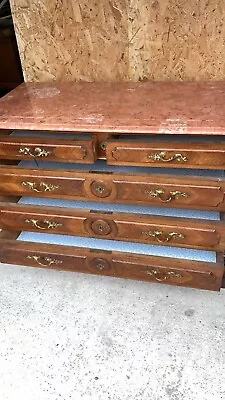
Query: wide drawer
[181, 152]
[152, 229]
[24, 147]
[180, 272]
[146, 189]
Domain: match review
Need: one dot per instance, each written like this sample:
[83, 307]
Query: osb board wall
[95, 40]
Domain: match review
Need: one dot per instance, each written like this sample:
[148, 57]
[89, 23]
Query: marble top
[142, 107]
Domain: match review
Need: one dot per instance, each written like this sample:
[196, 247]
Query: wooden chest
[116, 179]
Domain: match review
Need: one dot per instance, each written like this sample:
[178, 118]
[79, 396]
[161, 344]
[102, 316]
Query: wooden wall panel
[109, 40]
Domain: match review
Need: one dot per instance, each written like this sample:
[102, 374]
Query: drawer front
[167, 231]
[46, 149]
[194, 274]
[164, 190]
[206, 156]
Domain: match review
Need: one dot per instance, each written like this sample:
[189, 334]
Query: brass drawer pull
[160, 192]
[47, 187]
[163, 154]
[162, 276]
[37, 224]
[38, 152]
[162, 237]
[48, 260]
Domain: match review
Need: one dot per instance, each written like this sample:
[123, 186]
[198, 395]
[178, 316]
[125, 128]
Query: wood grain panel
[23, 148]
[179, 272]
[168, 231]
[176, 155]
[120, 40]
[163, 190]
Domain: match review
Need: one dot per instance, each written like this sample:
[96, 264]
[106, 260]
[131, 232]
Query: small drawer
[148, 229]
[167, 190]
[181, 152]
[72, 148]
[38, 250]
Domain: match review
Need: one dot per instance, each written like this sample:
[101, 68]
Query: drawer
[152, 229]
[172, 190]
[49, 147]
[172, 271]
[182, 152]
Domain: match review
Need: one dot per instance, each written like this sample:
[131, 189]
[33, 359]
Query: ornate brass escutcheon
[48, 260]
[163, 237]
[161, 192]
[39, 224]
[37, 152]
[103, 146]
[44, 187]
[161, 276]
[161, 157]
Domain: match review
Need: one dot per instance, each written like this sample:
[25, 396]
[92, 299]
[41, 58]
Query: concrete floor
[72, 336]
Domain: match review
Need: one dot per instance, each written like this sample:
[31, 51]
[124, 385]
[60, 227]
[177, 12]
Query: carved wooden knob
[100, 188]
[100, 264]
[101, 227]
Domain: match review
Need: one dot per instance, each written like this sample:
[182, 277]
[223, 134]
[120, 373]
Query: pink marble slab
[142, 107]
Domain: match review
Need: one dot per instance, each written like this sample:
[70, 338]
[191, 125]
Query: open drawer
[149, 225]
[190, 268]
[64, 147]
[141, 186]
[168, 151]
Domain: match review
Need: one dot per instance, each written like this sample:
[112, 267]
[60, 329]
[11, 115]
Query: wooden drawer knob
[100, 189]
[101, 227]
[100, 264]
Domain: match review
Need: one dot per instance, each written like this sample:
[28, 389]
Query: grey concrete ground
[72, 336]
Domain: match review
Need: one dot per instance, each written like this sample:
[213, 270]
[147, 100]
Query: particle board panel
[114, 40]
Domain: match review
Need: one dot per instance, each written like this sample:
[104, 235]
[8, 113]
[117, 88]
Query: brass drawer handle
[48, 260]
[45, 187]
[162, 276]
[38, 152]
[160, 192]
[163, 154]
[161, 237]
[49, 224]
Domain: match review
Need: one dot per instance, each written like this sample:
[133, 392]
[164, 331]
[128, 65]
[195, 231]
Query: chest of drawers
[123, 179]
